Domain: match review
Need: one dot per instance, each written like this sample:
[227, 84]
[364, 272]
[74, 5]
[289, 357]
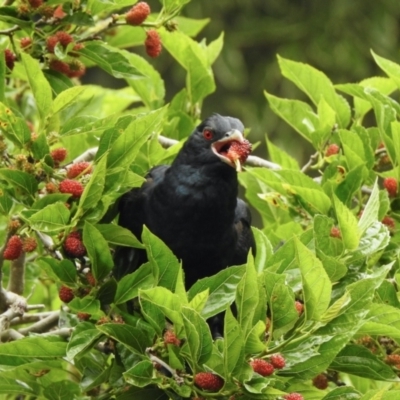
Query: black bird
[192, 205]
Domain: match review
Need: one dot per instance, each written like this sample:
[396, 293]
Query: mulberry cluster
[153, 43]
[74, 246]
[208, 381]
[239, 151]
[13, 248]
[72, 187]
[137, 14]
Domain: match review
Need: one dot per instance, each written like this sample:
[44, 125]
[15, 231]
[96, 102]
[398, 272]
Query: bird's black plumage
[192, 205]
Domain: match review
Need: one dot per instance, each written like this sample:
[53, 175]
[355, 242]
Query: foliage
[321, 291]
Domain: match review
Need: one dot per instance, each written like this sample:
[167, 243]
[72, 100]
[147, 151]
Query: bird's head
[222, 138]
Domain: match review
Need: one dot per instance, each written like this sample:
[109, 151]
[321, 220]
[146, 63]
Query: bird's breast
[192, 207]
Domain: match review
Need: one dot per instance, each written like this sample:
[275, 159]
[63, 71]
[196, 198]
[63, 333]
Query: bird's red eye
[208, 134]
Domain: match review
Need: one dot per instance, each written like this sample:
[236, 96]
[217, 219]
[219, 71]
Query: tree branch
[43, 325]
[29, 318]
[16, 282]
[165, 142]
[16, 307]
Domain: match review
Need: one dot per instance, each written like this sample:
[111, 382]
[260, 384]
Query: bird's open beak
[221, 148]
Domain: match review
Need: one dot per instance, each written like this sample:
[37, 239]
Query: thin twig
[35, 307]
[43, 325]
[10, 31]
[10, 334]
[63, 332]
[29, 318]
[88, 155]
[157, 360]
[310, 162]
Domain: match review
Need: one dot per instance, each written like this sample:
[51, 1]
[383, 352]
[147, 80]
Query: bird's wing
[245, 238]
[132, 216]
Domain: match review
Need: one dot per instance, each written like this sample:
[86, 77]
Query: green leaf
[109, 59]
[395, 126]
[107, 6]
[3, 70]
[353, 148]
[222, 289]
[383, 319]
[264, 250]
[119, 236]
[167, 302]
[191, 27]
[292, 183]
[195, 59]
[11, 15]
[375, 239]
[281, 300]
[62, 390]
[64, 270]
[255, 339]
[153, 314]
[336, 308]
[58, 82]
[20, 180]
[65, 98]
[246, 297]
[351, 184]
[327, 119]
[40, 147]
[317, 287]
[361, 103]
[93, 191]
[198, 345]
[52, 218]
[318, 350]
[299, 115]
[199, 301]
[280, 157]
[51, 198]
[151, 392]
[112, 133]
[129, 285]
[348, 225]
[48, 347]
[98, 251]
[233, 342]
[358, 360]
[370, 211]
[87, 304]
[125, 148]
[131, 337]
[343, 393]
[335, 268]
[83, 338]
[6, 203]
[39, 85]
[164, 264]
[13, 127]
[316, 85]
[391, 69]
[302, 185]
[85, 125]
[107, 292]
[141, 374]
[214, 48]
[16, 384]
[150, 87]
